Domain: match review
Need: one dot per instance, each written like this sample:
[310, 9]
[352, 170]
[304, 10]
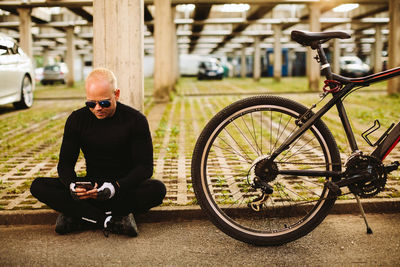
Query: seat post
[325, 66]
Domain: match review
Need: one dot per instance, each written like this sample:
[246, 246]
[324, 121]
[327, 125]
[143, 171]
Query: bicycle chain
[309, 163]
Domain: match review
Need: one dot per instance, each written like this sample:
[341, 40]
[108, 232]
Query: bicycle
[267, 170]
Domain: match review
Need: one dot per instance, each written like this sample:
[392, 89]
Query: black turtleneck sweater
[118, 148]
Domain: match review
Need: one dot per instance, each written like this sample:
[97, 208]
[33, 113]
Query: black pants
[56, 195]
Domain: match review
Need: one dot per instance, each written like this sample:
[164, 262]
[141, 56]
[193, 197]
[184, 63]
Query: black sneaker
[66, 224]
[122, 225]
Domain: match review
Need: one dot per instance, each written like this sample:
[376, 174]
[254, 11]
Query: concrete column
[70, 56]
[257, 59]
[358, 50]
[177, 74]
[25, 34]
[232, 72]
[46, 59]
[118, 45]
[82, 59]
[378, 47]
[336, 56]
[277, 52]
[313, 68]
[291, 59]
[175, 54]
[243, 66]
[162, 50]
[393, 85]
[237, 70]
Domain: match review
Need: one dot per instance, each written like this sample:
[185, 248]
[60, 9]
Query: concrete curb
[47, 216]
[187, 213]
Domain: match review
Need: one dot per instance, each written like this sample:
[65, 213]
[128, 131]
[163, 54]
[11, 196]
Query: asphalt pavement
[340, 240]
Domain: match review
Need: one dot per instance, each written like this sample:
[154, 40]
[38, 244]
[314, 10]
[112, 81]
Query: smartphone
[86, 185]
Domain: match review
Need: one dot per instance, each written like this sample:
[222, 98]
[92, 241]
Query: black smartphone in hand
[86, 185]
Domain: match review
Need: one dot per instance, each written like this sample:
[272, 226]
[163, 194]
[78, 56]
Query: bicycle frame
[383, 148]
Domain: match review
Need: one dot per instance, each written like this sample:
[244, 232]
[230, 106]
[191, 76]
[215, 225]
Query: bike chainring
[375, 175]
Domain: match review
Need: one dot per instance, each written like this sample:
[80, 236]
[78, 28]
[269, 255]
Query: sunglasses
[102, 103]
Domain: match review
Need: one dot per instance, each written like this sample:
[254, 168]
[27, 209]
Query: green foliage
[175, 130]
[160, 132]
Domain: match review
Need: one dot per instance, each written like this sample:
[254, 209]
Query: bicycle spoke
[297, 152]
[248, 160]
[254, 131]
[278, 132]
[270, 133]
[238, 144]
[245, 137]
[253, 137]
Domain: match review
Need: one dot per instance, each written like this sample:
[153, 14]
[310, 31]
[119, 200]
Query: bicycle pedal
[334, 188]
[392, 167]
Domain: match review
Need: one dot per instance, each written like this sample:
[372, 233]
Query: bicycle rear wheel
[228, 150]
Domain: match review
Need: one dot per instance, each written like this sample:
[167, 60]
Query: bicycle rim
[233, 144]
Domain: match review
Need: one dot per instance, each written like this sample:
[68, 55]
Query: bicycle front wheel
[223, 171]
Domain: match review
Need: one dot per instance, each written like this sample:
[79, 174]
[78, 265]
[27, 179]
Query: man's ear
[116, 92]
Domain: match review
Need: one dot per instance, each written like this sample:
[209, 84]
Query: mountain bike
[267, 170]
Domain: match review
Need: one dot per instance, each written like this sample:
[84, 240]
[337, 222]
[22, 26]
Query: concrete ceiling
[202, 27]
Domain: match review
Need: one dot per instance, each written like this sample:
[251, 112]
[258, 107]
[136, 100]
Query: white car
[352, 66]
[55, 73]
[16, 75]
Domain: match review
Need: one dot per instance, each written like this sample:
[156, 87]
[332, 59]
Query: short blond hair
[103, 73]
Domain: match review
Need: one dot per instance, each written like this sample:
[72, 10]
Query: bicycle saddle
[314, 38]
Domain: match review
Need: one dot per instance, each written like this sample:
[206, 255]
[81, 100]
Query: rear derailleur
[266, 189]
[265, 171]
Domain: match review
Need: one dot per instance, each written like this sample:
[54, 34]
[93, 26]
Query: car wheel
[26, 94]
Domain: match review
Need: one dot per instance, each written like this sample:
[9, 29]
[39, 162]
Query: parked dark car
[16, 74]
[210, 69]
[55, 73]
[352, 66]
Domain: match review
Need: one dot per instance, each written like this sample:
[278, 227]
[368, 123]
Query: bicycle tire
[218, 170]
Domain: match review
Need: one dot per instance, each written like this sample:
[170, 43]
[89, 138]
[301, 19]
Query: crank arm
[352, 180]
[335, 186]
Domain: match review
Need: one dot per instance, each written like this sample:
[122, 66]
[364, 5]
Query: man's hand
[106, 191]
[73, 191]
[80, 193]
